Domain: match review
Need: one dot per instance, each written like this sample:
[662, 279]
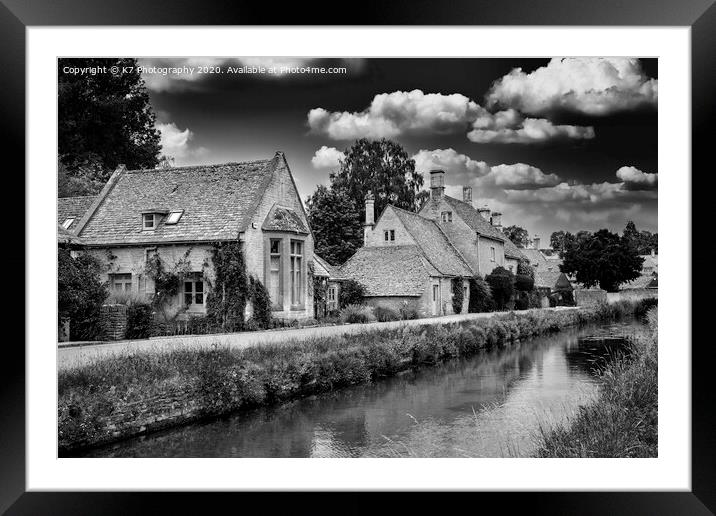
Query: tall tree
[335, 222]
[603, 259]
[643, 241]
[518, 235]
[104, 119]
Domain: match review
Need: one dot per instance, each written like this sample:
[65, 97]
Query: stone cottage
[179, 213]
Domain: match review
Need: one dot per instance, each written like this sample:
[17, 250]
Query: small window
[149, 221]
[446, 216]
[121, 282]
[194, 290]
[492, 254]
[386, 236]
[392, 234]
[67, 223]
[174, 217]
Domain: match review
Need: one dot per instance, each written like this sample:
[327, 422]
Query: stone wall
[589, 297]
[632, 295]
[113, 319]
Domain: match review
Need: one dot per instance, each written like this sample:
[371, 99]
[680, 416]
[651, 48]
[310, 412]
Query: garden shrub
[458, 295]
[522, 301]
[350, 293]
[357, 314]
[80, 294]
[501, 283]
[409, 312]
[480, 296]
[384, 314]
[524, 283]
[261, 303]
[140, 321]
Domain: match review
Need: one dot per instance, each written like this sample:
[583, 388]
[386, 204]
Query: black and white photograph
[284, 257]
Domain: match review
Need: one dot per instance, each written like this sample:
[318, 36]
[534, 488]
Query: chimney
[485, 212]
[536, 241]
[467, 194]
[497, 219]
[437, 184]
[369, 216]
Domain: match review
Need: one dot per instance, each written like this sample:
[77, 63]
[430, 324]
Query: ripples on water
[490, 405]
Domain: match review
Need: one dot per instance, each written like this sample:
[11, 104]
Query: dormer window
[150, 221]
[67, 223]
[174, 217]
[446, 216]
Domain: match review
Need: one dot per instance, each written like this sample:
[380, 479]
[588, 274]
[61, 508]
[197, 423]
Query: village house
[180, 213]
[417, 258]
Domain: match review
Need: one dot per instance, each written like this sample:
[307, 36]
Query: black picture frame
[700, 15]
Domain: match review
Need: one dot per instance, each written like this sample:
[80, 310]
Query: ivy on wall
[458, 295]
[226, 301]
[167, 282]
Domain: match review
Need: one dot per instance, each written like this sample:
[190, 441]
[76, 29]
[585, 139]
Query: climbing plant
[167, 282]
[458, 295]
[226, 301]
[261, 303]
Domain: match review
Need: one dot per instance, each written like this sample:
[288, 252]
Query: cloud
[177, 143]
[510, 126]
[417, 113]
[399, 112]
[635, 179]
[175, 74]
[592, 86]
[327, 157]
[456, 165]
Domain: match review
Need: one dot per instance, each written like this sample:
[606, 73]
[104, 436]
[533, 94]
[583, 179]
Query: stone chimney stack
[536, 241]
[484, 212]
[437, 184]
[369, 216]
[467, 194]
[497, 219]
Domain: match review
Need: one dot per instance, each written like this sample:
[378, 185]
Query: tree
[518, 235]
[80, 294]
[350, 293]
[501, 283]
[603, 259]
[104, 119]
[335, 222]
[643, 241]
[524, 268]
[524, 283]
[480, 296]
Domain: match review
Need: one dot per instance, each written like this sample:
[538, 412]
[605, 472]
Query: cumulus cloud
[170, 74]
[592, 86]
[456, 165]
[176, 143]
[418, 113]
[327, 157]
[635, 179]
[510, 126]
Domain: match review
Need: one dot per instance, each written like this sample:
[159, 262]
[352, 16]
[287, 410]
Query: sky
[553, 144]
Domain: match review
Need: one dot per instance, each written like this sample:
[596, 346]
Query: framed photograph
[416, 251]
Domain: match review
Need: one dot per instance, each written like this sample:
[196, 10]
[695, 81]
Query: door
[436, 299]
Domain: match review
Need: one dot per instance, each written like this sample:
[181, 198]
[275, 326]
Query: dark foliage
[518, 235]
[480, 296]
[261, 303]
[458, 295]
[501, 283]
[140, 321]
[226, 301]
[80, 294]
[335, 220]
[350, 293]
[384, 314]
[524, 283]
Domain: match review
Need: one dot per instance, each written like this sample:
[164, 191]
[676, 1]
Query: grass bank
[128, 395]
[622, 421]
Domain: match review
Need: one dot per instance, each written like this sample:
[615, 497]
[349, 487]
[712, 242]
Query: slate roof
[321, 267]
[218, 202]
[73, 208]
[536, 257]
[512, 251]
[643, 281]
[67, 237]
[389, 270]
[433, 243]
[545, 278]
[280, 218]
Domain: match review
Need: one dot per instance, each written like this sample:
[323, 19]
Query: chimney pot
[467, 194]
[485, 212]
[536, 241]
[369, 216]
[497, 219]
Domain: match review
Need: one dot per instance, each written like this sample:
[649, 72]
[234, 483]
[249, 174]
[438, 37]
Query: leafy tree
[642, 241]
[524, 268]
[350, 293]
[336, 224]
[458, 295]
[103, 120]
[501, 283]
[480, 296]
[518, 235]
[80, 294]
[603, 259]
[524, 283]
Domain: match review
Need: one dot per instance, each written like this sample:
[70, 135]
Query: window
[446, 216]
[275, 273]
[389, 235]
[392, 234]
[296, 273]
[386, 236]
[67, 223]
[120, 282]
[492, 254]
[149, 221]
[174, 217]
[194, 290]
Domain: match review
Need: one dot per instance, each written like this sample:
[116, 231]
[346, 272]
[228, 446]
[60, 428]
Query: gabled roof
[321, 267]
[512, 251]
[281, 218]
[536, 257]
[218, 203]
[433, 243]
[389, 270]
[551, 279]
[73, 208]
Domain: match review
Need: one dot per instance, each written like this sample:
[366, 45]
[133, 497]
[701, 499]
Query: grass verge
[622, 421]
[128, 395]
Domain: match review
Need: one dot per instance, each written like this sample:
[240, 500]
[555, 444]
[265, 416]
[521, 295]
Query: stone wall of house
[388, 221]
[589, 297]
[113, 319]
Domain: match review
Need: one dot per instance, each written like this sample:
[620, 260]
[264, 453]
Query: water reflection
[490, 405]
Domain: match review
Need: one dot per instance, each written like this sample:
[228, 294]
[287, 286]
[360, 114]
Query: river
[489, 405]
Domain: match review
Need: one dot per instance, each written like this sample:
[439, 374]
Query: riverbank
[125, 396]
[623, 421]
